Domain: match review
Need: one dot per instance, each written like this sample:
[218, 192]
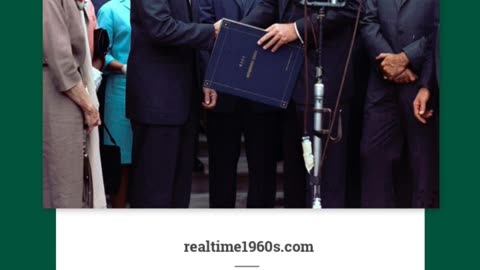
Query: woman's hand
[79, 95]
[92, 118]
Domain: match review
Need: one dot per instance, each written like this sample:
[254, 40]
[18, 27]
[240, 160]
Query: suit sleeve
[427, 70]
[416, 50]
[427, 74]
[166, 30]
[57, 47]
[371, 32]
[263, 15]
[206, 14]
[308, 22]
[105, 21]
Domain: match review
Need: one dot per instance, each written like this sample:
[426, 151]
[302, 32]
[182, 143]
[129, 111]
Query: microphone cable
[342, 84]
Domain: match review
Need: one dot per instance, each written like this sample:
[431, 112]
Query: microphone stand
[315, 176]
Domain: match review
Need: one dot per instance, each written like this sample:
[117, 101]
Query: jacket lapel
[239, 4]
[283, 7]
[249, 6]
[402, 3]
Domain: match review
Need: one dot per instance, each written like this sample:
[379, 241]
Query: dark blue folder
[238, 66]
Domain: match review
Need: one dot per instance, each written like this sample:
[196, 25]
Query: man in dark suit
[395, 33]
[232, 118]
[426, 104]
[286, 23]
[161, 99]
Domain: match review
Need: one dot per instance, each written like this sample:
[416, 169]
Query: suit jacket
[394, 26]
[161, 66]
[210, 11]
[338, 31]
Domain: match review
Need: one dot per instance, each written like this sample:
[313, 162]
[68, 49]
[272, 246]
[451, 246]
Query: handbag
[101, 43]
[111, 164]
[87, 196]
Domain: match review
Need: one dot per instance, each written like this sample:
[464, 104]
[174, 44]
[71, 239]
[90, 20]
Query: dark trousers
[162, 165]
[391, 134]
[224, 132]
[334, 171]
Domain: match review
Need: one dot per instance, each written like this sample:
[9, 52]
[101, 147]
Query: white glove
[97, 77]
[124, 69]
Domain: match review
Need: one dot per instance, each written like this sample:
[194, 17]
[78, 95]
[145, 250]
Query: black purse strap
[109, 134]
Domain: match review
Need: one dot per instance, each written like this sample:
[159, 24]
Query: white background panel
[154, 239]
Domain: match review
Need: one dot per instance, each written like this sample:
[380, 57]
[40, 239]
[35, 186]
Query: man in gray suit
[395, 33]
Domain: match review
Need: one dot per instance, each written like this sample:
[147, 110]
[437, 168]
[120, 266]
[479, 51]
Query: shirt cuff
[298, 33]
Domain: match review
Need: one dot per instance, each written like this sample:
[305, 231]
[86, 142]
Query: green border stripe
[27, 234]
[452, 233]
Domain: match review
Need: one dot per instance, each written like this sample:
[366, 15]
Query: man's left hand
[217, 26]
[209, 98]
[420, 106]
[278, 35]
[393, 64]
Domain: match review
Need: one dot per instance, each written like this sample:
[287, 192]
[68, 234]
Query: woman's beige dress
[64, 52]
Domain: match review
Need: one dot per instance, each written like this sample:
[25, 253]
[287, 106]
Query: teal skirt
[114, 116]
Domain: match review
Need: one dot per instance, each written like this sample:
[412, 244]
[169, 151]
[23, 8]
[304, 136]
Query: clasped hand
[394, 68]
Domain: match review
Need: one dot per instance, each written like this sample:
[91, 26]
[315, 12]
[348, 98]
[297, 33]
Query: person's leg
[381, 150]
[353, 185]
[182, 186]
[295, 183]
[119, 200]
[224, 139]
[422, 153]
[154, 162]
[262, 142]
[198, 166]
[334, 171]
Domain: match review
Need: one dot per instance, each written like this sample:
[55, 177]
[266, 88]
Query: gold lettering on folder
[242, 62]
[252, 64]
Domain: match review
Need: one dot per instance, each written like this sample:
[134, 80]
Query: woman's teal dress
[114, 16]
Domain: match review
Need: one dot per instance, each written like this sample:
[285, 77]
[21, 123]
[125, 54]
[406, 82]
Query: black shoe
[198, 166]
